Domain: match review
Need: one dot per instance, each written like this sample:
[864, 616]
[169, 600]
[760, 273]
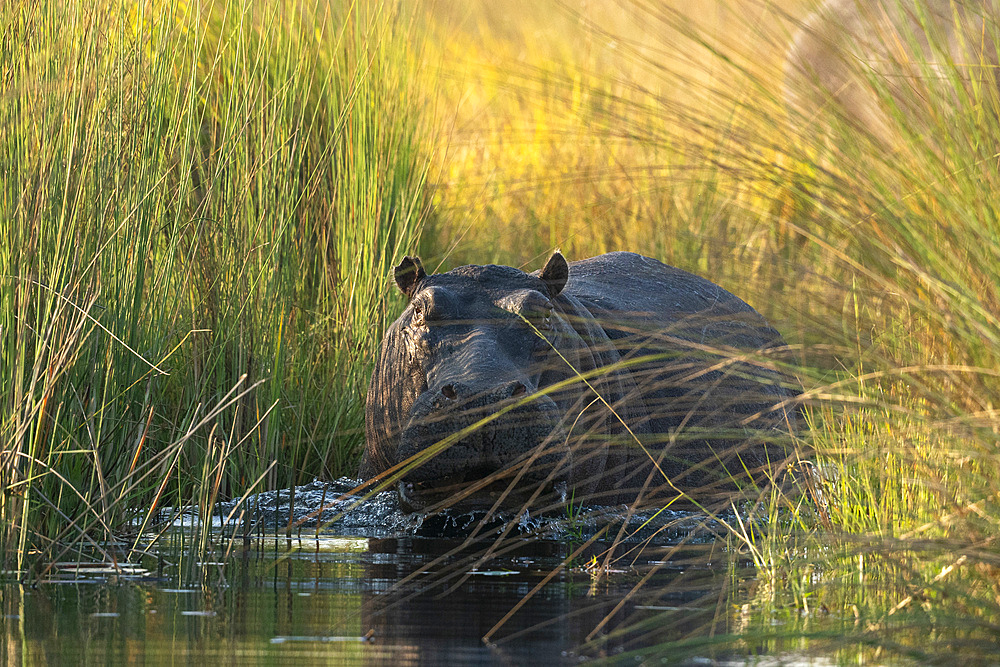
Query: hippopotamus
[614, 379]
[918, 51]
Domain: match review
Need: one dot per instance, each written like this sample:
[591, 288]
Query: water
[379, 587]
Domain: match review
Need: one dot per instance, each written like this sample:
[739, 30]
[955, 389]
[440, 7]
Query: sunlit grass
[631, 126]
[201, 203]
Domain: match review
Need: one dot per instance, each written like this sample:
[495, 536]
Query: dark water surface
[384, 588]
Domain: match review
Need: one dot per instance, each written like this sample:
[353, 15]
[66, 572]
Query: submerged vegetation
[201, 205]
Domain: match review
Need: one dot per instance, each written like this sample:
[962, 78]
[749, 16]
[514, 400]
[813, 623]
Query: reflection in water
[570, 614]
[400, 600]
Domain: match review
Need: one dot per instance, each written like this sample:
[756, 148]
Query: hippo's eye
[544, 317]
[417, 320]
[540, 316]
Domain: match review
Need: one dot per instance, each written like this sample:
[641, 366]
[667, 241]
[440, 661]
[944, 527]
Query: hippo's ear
[555, 274]
[408, 275]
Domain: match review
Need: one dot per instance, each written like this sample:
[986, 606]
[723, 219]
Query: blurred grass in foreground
[661, 128]
[200, 205]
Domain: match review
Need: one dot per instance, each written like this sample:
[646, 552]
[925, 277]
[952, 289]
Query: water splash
[331, 508]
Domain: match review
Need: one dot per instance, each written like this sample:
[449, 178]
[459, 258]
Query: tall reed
[201, 204]
[648, 128]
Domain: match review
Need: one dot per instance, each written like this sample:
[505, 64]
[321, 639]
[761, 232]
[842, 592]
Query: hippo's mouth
[475, 491]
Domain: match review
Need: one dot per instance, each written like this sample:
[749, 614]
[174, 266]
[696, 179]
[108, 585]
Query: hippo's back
[629, 293]
[705, 382]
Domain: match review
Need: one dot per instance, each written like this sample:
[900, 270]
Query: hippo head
[456, 392]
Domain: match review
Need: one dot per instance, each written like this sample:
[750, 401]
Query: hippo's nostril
[449, 392]
[518, 390]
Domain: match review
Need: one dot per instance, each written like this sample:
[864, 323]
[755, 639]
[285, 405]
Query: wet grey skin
[481, 373]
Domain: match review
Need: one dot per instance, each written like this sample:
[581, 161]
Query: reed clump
[201, 202]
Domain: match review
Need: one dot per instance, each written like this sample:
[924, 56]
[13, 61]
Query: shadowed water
[374, 585]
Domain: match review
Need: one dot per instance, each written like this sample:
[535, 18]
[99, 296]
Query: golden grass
[661, 128]
[576, 129]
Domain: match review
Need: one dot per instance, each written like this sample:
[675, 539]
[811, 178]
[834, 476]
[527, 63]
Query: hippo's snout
[499, 431]
[462, 396]
[468, 493]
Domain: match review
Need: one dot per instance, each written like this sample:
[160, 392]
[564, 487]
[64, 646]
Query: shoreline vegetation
[202, 204]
